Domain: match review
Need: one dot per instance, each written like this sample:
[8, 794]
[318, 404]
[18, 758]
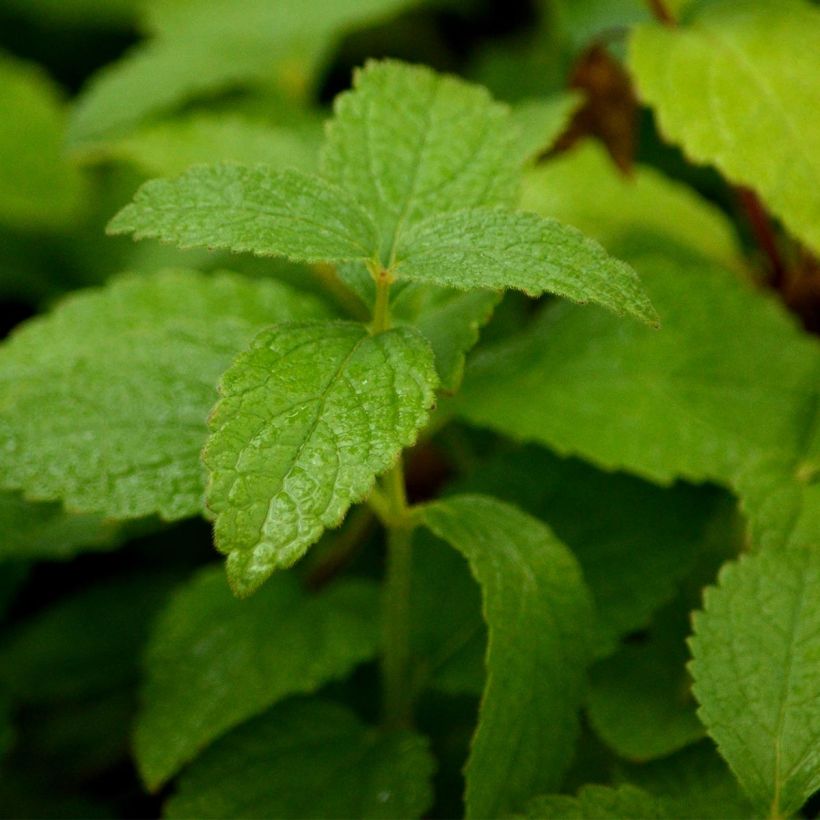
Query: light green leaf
[204, 47]
[584, 188]
[171, 147]
[598, 803]
[309, 416]
[639, 701]
[103, 402]
[308, 759]
[531, 586]
[755, 660]
[692, 75]
[37, 531]
[39, 188]
[696, 400]
[498, 248]
[449, 319]
[540, 121]
[448, 146]
[613, 524]
[214, 661]
[269, 213]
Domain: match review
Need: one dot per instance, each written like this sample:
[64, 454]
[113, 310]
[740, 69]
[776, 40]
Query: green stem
[396, 616]
[381, 310]
[340, 292]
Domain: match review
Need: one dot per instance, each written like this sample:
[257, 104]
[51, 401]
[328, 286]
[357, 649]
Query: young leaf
[36, 531]
[755, 660]
[691, 76]
[531, 587]
[128, 373]
[584, 188]
[309, 416]
[269, 213]
[39, 188]
[308, 759]
[214, 661]
[448, 146]
[696, 400]
[598, 803]
[498, 248]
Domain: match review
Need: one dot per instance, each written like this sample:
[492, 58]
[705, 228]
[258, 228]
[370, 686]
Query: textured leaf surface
[269, 213]
[755, 659]
[448, 146]
[598, 803]
[214, 661]
[308, 759]
[584, 188]
[205, 47]
[38, 186]
[128, 374]
[691, 75]
[169, 148]
[612, 523]
[309, 416]
[531, 586]
[36, 531]
[697, 399]
[495, 248]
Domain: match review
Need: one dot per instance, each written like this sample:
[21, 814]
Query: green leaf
[691, 75]
[584, 188]
[308, 759]
[540, 121]
[781, 498]
[449, 319]
[639, 702]
[204, 47]
[128, 374]
[531, 585]
[696, 400]
[309, 416]
[755, 660]
[598, 803]
[39, 188]
[207, 646]
[171, 147]
[695, 782]
[83, 645]
[448, 146]
[36, 531]
[269, 213]
[613, 524]
[93, 14]
[497, 248]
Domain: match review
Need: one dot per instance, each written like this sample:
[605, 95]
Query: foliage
[495, 387]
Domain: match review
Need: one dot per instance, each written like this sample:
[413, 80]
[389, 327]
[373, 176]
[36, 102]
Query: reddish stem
[764, 235]
[661, 13]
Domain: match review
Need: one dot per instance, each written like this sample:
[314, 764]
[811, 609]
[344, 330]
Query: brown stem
[661, 13]
[764, 235]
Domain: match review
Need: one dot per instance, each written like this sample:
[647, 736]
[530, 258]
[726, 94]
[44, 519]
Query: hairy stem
[381, 310]
[396, 615]
[340, 293]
